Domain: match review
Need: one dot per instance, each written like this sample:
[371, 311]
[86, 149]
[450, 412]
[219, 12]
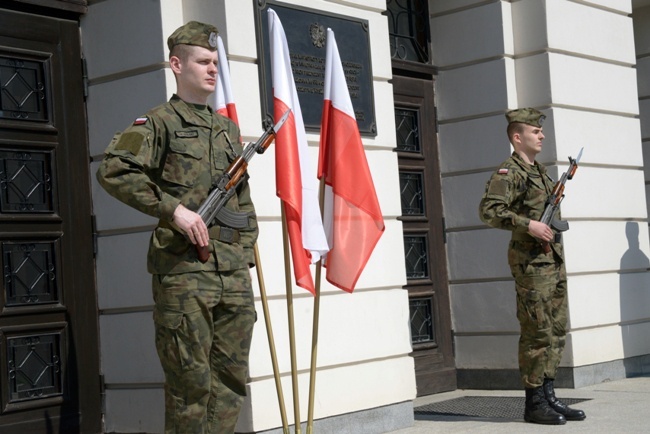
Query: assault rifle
[554, 200]
[213, 206]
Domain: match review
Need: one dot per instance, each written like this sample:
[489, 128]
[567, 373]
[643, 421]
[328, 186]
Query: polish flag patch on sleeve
[502, 171]
[140, 121]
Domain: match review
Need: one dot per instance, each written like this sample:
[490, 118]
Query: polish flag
[352, 218]
[224, 100]
[295, 179]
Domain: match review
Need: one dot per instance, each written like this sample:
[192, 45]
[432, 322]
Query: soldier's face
[197, 71]
[530, 139]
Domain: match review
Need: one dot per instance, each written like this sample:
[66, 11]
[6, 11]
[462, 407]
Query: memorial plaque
[306, 32]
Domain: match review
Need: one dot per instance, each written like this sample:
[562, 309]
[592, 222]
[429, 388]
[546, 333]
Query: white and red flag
[352, 218]
[296, 183]
[224, 101]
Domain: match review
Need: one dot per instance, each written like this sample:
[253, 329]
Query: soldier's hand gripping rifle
[213, 206]
[554, 200]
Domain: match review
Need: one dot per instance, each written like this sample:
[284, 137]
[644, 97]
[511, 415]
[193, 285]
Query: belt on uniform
[221, 233]
[522, 236]
[224, 234]
[525, 236]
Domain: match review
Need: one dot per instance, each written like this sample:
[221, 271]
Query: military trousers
[541, 285]
[204, 324]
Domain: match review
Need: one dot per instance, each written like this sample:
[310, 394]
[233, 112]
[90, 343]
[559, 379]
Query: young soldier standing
[514, 200]
[164, 165]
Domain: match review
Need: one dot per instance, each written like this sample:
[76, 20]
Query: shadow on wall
[634, 298]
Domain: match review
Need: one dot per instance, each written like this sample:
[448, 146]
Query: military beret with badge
[194, 33]
[528, 116]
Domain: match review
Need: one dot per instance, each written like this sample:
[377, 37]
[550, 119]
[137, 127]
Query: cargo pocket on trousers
[173, 341]
[531, 309]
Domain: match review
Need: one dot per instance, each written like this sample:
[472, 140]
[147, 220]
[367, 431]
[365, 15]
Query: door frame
[434, 358]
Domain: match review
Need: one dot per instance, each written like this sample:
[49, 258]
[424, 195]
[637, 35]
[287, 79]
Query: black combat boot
[557, 405]
[538, 409]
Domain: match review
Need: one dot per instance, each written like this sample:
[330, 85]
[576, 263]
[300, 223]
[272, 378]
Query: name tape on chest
[186, 134]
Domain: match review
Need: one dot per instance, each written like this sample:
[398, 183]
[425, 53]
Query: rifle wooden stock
[265, 141]
[238, 167]
[235, 171]
[558, 193]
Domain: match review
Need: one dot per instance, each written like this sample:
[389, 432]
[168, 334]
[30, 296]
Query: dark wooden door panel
[424, 245]
[49, 356]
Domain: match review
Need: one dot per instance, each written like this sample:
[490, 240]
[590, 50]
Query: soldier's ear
[175, 64]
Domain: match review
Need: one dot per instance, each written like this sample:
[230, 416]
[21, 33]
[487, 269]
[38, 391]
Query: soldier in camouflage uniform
[165, 165]
[514, 200]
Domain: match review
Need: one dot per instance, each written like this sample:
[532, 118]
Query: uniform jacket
[515, 194]
[172, 156]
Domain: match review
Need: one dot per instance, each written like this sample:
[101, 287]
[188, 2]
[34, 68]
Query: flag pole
[269, 332]
[292, 334]
[314, 351]
[315, 325]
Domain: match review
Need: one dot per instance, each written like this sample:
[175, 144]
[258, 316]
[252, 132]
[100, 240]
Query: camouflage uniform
[515, 194]
[204, 312]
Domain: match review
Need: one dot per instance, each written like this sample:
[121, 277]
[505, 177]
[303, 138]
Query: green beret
[194, 33]
[528, 116]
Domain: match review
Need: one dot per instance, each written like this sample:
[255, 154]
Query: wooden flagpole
[315, 325]
[269, 333]
[292, 334]
[314, 352]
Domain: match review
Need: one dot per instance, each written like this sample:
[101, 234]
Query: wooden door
[424, 236]
[49, 355]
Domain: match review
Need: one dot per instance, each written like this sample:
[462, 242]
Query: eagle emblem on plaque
[317, 33]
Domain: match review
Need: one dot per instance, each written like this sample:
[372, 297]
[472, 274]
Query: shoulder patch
[498, 187]
[131, 141]
[503, 171]
[140, 121]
